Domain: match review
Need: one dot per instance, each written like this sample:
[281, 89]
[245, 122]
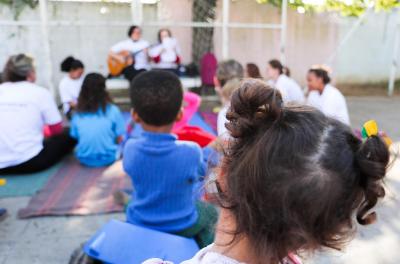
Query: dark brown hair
[253, 71]
[286, 71]
[321, 73]
[161, 30]
[70, 64]
[93, 95]
[294, 178]
[157, 97]
[132, 29]
[276, 65]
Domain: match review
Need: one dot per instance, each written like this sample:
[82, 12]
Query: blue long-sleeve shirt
[164, 172]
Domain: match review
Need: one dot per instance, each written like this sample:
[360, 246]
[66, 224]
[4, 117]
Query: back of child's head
[70, 64]
[229, 88]
[294, 178]
[156, 96]
[93, 94]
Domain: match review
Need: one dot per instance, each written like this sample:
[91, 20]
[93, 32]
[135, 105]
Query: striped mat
[78, 190]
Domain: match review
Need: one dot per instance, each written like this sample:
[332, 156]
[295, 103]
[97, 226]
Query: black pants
[130, 72]
[54, 149]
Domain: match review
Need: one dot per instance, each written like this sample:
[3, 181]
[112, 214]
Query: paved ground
[50, 240]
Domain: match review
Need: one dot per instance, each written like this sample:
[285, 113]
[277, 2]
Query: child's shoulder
[133, 142]
[112, 108]
[188, 146]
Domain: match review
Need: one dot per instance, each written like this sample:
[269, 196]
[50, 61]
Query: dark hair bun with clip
[253, 105]
[372, 160]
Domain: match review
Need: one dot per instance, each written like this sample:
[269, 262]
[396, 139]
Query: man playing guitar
[129, 57]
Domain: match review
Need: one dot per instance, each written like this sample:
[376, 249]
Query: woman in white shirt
[326, 98]
[25, 110]
[138, 47]
[290, 90]
[71, 84]
[165, 54]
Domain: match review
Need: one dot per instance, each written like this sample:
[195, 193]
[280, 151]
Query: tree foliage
[17, 6]
[344, 7]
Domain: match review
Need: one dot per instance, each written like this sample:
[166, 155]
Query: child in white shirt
[71, 84]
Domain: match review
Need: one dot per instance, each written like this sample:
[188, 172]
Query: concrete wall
[311, 37]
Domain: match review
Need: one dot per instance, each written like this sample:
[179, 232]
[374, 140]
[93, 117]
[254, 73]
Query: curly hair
[294, 178]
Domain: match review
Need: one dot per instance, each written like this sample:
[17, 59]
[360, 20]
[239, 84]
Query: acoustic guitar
[115, 66]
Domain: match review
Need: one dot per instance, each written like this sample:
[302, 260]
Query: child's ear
[179, 115]
[135, 116]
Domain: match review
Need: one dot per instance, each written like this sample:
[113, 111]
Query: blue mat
[26, 184]
[120, 243]
[196, 120]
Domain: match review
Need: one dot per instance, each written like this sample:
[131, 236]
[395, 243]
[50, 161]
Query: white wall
[311, 38]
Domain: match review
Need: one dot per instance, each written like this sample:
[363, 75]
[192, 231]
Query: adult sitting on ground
[290, 90]
[325, 97]
[25, 109]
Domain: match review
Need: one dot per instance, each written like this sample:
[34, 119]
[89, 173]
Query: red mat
[78, 190]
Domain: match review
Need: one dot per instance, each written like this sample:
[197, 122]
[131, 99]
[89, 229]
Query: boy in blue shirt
[163, 170]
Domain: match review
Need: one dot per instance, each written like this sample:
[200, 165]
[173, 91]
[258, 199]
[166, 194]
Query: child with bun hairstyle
[71, 84]
[292, 181]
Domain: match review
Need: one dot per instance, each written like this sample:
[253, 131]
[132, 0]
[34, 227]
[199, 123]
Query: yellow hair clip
[370, 128]
[3, 182]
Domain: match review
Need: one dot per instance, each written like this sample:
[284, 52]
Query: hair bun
[372, 159]
[253, 105]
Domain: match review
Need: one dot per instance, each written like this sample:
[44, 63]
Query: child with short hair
[292, 181]
[97, 124]
[71, 84]
[164, 171]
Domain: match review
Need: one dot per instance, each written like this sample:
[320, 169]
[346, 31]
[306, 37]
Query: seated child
[181, 128]
[164, 171]
[293, 181]
[97, 124]
[71, 84]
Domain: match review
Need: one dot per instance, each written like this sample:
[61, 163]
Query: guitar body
[116, 66]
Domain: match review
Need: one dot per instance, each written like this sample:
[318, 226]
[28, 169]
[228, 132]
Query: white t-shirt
[69, 91]
[168, 51]
[137, 48]
[290, 90]
[331, 102]
[208, 256]
[221, 120]
[24, 110]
